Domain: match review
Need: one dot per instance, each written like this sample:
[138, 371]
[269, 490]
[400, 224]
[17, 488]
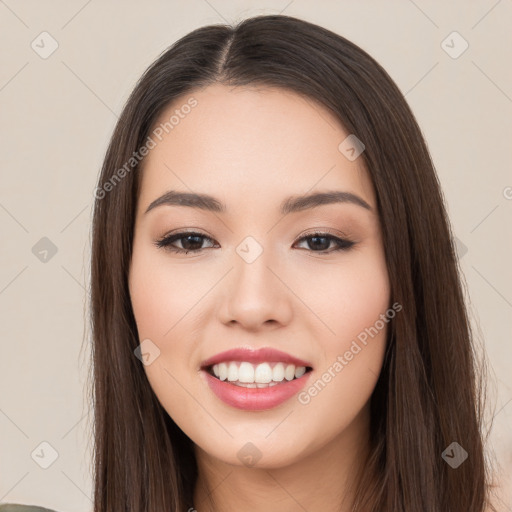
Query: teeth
[242, 385]
[261, 375]
[300, 371]
[222, 370]
[245, 372]
[289, 373]
[232, 372]
[278, 373]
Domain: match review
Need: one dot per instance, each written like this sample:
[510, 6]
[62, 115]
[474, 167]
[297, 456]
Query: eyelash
[165, 242]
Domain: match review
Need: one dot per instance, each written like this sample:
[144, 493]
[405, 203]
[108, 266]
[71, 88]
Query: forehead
[249, 144]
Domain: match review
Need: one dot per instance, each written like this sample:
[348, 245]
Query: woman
[208, 243]
[277, 314]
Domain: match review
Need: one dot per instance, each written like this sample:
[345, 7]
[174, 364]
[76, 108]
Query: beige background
[58, 113]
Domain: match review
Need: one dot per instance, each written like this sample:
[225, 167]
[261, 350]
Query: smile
[259, 376]
[255, 379]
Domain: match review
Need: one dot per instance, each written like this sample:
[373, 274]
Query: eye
[190, 241]
[320, 242]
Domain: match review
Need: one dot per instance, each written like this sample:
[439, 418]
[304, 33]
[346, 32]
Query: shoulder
[12, 507]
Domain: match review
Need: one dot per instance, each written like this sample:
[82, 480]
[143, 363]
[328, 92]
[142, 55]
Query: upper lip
[250, 355]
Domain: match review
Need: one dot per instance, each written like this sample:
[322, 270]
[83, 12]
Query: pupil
[186, 245]
[326, 245]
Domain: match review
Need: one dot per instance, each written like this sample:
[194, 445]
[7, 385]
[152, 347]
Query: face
[288, 284]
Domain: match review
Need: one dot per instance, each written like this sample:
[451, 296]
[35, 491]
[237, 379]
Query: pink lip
[262, 355]
[255, 399]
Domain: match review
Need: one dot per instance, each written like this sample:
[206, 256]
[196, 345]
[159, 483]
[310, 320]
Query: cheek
[355, 306]
[165, 302]
[161, 294]
[161, 298]
[348, 297]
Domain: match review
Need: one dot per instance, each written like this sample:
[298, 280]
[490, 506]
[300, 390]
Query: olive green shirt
[12, 507]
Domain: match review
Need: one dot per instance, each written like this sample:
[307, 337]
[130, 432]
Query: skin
[251, 148]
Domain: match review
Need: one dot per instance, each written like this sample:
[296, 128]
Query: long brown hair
[427, 395]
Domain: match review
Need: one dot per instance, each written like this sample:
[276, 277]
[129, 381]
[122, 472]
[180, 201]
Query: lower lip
[255, 399]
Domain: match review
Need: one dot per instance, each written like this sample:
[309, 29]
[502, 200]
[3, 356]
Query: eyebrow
[290, 205]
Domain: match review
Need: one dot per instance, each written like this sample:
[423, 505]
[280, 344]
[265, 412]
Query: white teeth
[242, 385]
[232, 372]
[278, 372]
[261, 375]
[223, 371]
[300, 371]
[289, 373]
[246, 373]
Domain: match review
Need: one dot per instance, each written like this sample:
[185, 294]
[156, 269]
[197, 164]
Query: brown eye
[190, 241]
[320, 242]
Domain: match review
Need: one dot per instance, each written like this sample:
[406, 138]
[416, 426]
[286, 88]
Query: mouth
[255, 380]
[256, 375]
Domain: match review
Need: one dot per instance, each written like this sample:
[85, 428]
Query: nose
[255, 295]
